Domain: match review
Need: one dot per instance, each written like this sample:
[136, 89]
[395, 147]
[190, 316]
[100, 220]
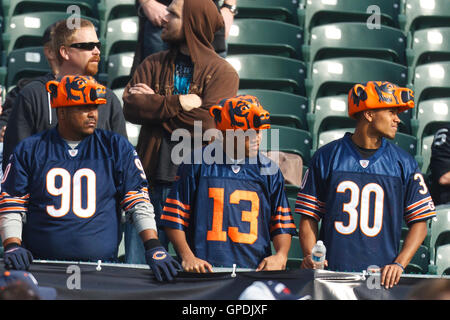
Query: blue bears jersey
[72, 197]
[362, 203]
[229, 212]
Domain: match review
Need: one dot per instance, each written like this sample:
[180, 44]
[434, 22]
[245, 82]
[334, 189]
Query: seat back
[119, 68]
[265, 37]
[282, 10]
[257, 71]
[121, 35]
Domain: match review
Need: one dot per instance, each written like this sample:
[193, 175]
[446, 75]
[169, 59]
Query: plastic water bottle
[318, 255]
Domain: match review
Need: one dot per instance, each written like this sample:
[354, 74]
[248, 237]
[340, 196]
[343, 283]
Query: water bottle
[318, 255]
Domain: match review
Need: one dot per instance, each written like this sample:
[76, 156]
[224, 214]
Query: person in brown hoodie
[172, 89]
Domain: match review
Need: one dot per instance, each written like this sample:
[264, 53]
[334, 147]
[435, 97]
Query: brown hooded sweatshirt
[213, 79]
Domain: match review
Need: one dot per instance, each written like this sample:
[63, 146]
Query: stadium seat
[287, 139]
[119, 93]
[424, 154]
[431, 115]
[118, 69]
[406, 142]
[295, 215]
[258, 71]
[440, 229]
[291, 191]
[442, 261]
[121, 35]
[115, 9]
[328, 113]
[337, 76]
[330, 11]
[427, 46]
[265, 37]
[133, 131]
[295, 254]
[26, 30]
[286, 109]
[17, 7]
[331, 135]
[347, 39]
[283, 10]
[26, 62]
[422, 14]
[431, 80]
[420, 261]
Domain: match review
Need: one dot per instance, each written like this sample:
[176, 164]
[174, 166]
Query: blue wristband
[399, 265]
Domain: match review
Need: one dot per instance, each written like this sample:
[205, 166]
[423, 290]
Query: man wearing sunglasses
[77, 52]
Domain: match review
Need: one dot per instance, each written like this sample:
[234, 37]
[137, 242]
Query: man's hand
[390, 275]
[194, 264]
[308, 263]
[17, 257]
[141, 88]
[162, 264]
[190, 101]
[274, 262]
[154, 11]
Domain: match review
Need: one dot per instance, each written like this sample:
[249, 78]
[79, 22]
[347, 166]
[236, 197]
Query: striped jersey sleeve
[419, 204]
[132, 198]
[308, 202]
[281, 220]
[177, 207]
[9, 203]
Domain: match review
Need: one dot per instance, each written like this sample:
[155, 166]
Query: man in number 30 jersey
[363, 187]
[64, 188]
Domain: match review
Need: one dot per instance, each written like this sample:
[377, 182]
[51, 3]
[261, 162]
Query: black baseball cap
[13, 276]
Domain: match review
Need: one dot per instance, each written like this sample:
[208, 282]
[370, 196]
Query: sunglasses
[86, 45]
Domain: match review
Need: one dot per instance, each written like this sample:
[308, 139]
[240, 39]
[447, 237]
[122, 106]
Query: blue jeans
[152, 40]
[134, 249]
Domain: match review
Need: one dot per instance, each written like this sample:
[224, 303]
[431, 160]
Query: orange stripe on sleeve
[174, 219]
[177, 211]
[178, 203]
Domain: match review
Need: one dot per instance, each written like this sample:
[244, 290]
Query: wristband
[152, 243]
[403, 269]
[11, 245]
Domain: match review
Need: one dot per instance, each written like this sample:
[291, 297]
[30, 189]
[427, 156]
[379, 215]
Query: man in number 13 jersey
[226, 212]
[361, 187]
[64, 188]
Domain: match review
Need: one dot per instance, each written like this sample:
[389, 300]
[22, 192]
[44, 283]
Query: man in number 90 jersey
[64, 188]
[362, 187]
[227, 212]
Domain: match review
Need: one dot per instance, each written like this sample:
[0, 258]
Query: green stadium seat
[283, 10]
[17, 7]
[295, 254]
[431, 81]
[347, 39]
[422, 14]
[328, 113]
[121, 35]
[291, 190]
[431, 115]
[288, 139]
[26, 30]
[286, 109]
[420, 261]
[406, 142]
[118, 69]
[442, 261]
[262, 36]
[427, 46]
[258, 71]
[440, 229]
[330, 11]
[115, 9]
[24, 63]
[331, 135]
[424, 155]
[295, 215]
[337, 76]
